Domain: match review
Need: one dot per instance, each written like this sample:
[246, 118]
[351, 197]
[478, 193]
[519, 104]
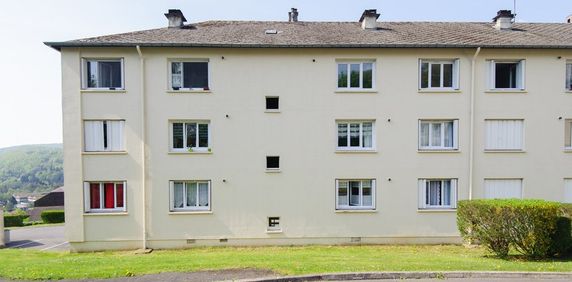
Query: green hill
[32, 169]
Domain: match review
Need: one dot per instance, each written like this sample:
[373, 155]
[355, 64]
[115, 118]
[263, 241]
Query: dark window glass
[91, 74]
[272, 103]
[191, 135]
[178, 135]
[105, 134]
[342, 135]
[203, 135]
[354, 135]
[424, 75]
[342, 75]
[272, 162]
[195, 75]
[367, 75]
[354, 193]
[448, 75]
[354, 75]
[505, 75]
[435, 75]
[273, 221]
[110, 74]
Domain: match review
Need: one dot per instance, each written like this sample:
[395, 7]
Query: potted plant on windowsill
[176, 88]
[190, 149]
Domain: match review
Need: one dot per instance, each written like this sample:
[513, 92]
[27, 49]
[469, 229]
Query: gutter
[472, 125]
[143, 147]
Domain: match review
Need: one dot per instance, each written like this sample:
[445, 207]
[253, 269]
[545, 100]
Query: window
[105, 196]
[355, 194]
[507, 75]
[503, 188]
[190, 195]
[356, 75]
[273, 162]
[102, 74]
[567, 190]
[569, 76]
[437, 74]
[273, 223]
[272, 103]
[191, 136]
[437, 193]
[190, 75]
[438, 134]
[104, 135]
[568, 134]
[504, 135]
[355, 135]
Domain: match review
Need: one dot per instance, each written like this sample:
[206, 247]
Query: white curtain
[93, 135]
[436, 134]
[569, 76]
[367, 134]
[115, 135]
[203, 194]
[449, 136]
[191, 194]
[367, 193]
[178, 193]
[342, 193]
[424, 135]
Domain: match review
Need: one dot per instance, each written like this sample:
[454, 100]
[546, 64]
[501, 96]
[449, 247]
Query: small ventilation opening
[272, 162]
[271, 31]
[272, 103]
[273, 223]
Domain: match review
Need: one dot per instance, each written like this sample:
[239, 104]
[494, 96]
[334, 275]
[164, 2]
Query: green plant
[562, 238]
[528, 226]
[190, 149]
[13, 220]
[53, 216]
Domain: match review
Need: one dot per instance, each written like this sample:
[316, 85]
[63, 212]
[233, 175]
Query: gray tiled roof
[340, 35]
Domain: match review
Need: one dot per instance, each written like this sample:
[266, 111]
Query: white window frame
[522, 149]
[360, 62]
[521, 74]
[172, 207]
[442, 122]
[423, 194]
[188, 60]
[361, 146]
[185, 148]
[84, 78]
[87, 197]
[360, 207]
[109, 136]
[455, 74]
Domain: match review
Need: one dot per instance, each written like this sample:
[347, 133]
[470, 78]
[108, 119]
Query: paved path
[45, 238]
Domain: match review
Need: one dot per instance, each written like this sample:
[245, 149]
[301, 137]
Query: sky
[30, 78]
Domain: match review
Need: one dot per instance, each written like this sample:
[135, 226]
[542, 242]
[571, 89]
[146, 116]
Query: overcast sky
[30, 104]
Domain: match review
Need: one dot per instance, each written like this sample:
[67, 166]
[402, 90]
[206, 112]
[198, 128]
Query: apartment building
[294, 132]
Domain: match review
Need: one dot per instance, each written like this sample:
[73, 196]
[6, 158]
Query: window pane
[91, 74]
[94, 196]
[203, 194]
[505, 75]
[191, 134]
[176, 74]
[424, 75]
[367, 75]
[354, 190]
[109, 195]
[109, 74]
[196, 75]
[203, 135]
[354, 75]
[191, 194]
[343, 193]
[424, 135]
[367, 134]
[119, 193]
[178, 135]
[342, 135]
[342, 75]
[446, 193]
[435, 75]
[367, 193]
[448, 134]
[179, 194]
[354, 134]
[569, 76]
[436, 134]
[434, 193]
[447, 75]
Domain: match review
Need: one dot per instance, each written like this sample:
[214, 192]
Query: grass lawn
[28, 264]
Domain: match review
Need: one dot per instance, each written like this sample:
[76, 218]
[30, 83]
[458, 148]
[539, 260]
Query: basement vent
[271, 31]
[191, 241]
[355, 239]
[223, 240]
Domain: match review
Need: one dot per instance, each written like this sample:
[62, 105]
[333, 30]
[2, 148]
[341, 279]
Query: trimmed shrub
[562, 238]
[11, 220]
[528, 226]
[53, 216]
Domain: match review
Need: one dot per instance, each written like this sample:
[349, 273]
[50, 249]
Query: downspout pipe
[472, 125]
[143, 147]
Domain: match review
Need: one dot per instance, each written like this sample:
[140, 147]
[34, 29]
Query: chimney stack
[369, 18]
[293, 15]
[176, 18]
[503, 20]
[569, 19]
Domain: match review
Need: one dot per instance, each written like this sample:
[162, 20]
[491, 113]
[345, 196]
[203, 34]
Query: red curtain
[109, 195]
[94, 196]
[119, 189]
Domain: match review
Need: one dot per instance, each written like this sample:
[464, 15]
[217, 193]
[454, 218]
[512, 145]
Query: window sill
[272, 111]
[103, 91]
[356, 211]
[273, 170]
[189, 91]
[105, 213]
[568, 150]
[357, 91]
[443, 210]
[568, 91]
[439, 91]
[189, 153]
[349, 151]
[276, 231]
[189, 212]
[437, 151]
[105, 153]
[507, 91]
[504, 151]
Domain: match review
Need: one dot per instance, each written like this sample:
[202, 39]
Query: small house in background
[54, 200]
[24, 201]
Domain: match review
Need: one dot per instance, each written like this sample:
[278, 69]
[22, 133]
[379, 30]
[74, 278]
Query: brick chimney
[503, 20]
[176, 18]
[369, 18]
[293, 15]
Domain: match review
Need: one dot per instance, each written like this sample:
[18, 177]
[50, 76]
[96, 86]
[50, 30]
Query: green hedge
[533, 228]
[53, 216]
[14, 220]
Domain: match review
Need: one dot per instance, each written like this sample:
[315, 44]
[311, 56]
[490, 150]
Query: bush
[11, 220]
[528, 226]
[562, 238]
[53, 216]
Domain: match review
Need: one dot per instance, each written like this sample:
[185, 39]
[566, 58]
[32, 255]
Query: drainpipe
[472, 125]
[143, 146]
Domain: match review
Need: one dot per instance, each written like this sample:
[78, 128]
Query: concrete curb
[416, 275]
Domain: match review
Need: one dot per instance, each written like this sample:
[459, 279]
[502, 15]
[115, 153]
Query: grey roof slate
[246, 34]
